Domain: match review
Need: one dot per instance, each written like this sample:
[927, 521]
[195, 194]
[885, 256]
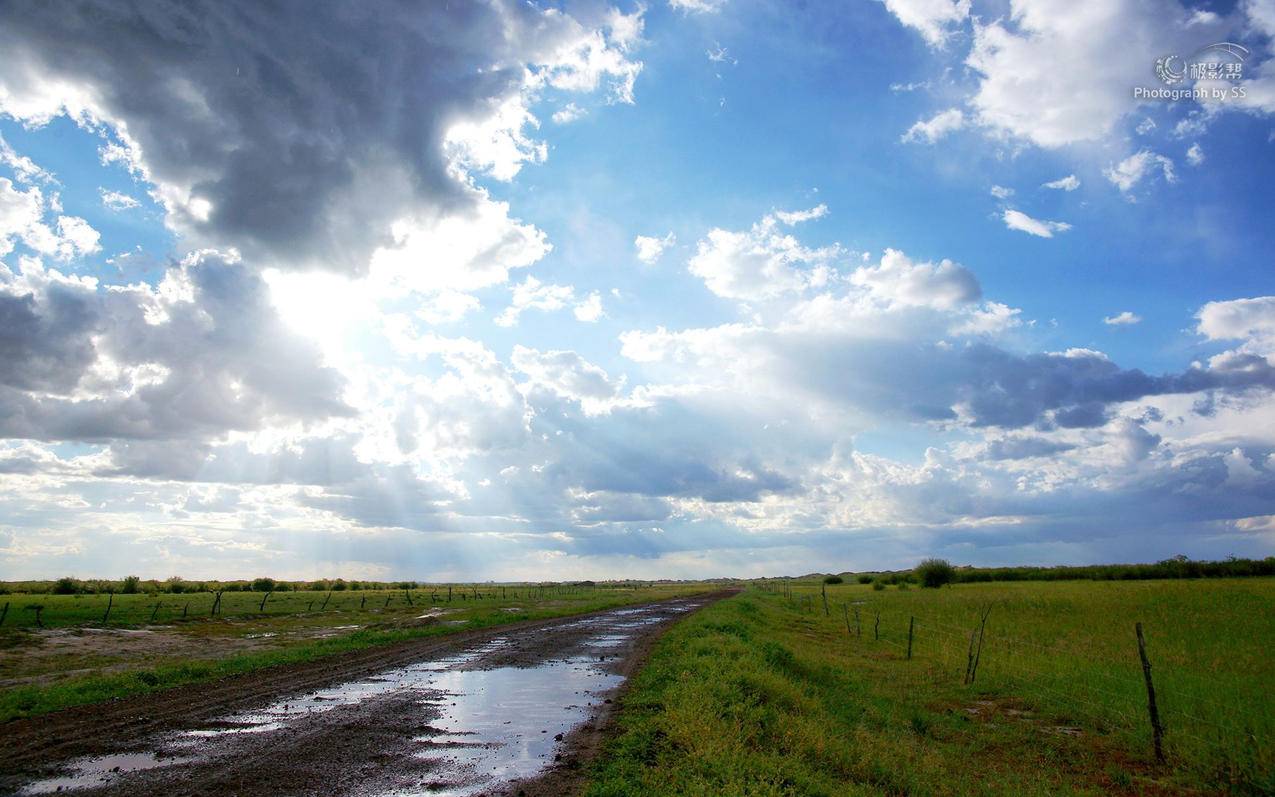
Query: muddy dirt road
[502, 711]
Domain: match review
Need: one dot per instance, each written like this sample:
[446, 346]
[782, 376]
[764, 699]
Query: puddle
[93, 772]
[480, 728]
[504, 724]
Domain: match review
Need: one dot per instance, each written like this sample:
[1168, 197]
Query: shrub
[833, 580]
[66, 586]
[878, 585]
[131, 584]
[263, 585]
[867, 578]
[904, 585]
[935, 572]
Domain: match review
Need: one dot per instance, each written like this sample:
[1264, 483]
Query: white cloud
[1037, 80]
[1195, 155]
[649, 248]
[1122, 319]
[900, 281]
[1241, 319]
[532, 294]
[933, 19]
[1017, 220]
[1001, 192]
[935, 128]
[568, 114]
[1128, 173]
[763, 262]
[26, 216]
[1068, 183]
[697, 6]
[590, 310]
[114, 200]
[791, 217]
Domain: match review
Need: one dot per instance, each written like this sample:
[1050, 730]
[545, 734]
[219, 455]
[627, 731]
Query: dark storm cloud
[309, 127]
[215, 360]
[45, 345]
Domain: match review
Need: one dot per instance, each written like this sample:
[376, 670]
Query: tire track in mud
[383, 721]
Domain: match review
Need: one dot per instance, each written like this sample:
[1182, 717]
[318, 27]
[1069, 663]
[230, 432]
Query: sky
[677, 289]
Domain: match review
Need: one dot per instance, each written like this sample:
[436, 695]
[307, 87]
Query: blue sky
[679, 289]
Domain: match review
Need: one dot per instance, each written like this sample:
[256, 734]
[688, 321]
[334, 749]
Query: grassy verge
[764, 694]
[134, 678]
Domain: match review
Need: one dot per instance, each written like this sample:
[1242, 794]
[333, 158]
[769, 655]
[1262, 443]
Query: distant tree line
[935, 572]
[133, 585]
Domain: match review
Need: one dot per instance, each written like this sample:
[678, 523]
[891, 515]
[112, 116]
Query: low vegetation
[768, 693]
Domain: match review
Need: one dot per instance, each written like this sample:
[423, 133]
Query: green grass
[766, 695]
[241, 619]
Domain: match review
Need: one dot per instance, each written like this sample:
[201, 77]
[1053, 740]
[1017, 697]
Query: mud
[515, 710]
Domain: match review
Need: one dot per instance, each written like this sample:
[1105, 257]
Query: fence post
[155, 613]
[325, 601]
[876, 628]
[1157, 730]
[845, 613]
[911, 623]
[978, 653]
[110, 601]
[823, 590]
[4, 612]
[262, 608]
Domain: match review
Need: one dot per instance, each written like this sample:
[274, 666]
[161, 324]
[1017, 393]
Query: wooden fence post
[858, 626]
[1157, 730]
[845, 613]
[4, 612]
[911, 623]
[823, 590]
[978, 653]
[262, 608]
[325, 601]
[155, 613]
[110, 601]
[876, 628]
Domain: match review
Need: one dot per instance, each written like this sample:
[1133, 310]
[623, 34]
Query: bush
[935, 572]
[878, 585]
[904, 585]
[867, 578]
[263, 585]
[131, 584]
[833, 580]
[66, 586]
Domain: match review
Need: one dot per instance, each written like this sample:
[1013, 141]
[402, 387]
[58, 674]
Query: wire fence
[1206, 720]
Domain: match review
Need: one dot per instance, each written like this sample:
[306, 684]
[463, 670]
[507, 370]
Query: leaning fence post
[823, 590]
[156, 612]
[911, 623]
[4, 612]
[110, 601]
[262, 608]
[1157, 730]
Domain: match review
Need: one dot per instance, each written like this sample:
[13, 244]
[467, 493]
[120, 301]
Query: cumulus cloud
[1195, 154]
[1125, 318]
[649, 248]
[1017, 220]
[1035, 80]
[1068, 183]
[1128, 173]
[931, 130]
[532, 294]
[238, 159]
[114, 200]
[1252, 320]
[1001, 192]
[763, 262]
[697, 6]
[933, 19]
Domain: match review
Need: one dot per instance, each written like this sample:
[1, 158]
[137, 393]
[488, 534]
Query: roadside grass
[764, 694]
[295, 635]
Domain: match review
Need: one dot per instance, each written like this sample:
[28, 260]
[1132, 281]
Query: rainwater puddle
[90, 772]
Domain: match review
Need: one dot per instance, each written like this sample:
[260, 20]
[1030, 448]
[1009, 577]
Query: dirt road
[503, 711]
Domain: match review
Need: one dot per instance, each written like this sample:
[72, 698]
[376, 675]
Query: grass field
[766, 694]
[77, 659]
